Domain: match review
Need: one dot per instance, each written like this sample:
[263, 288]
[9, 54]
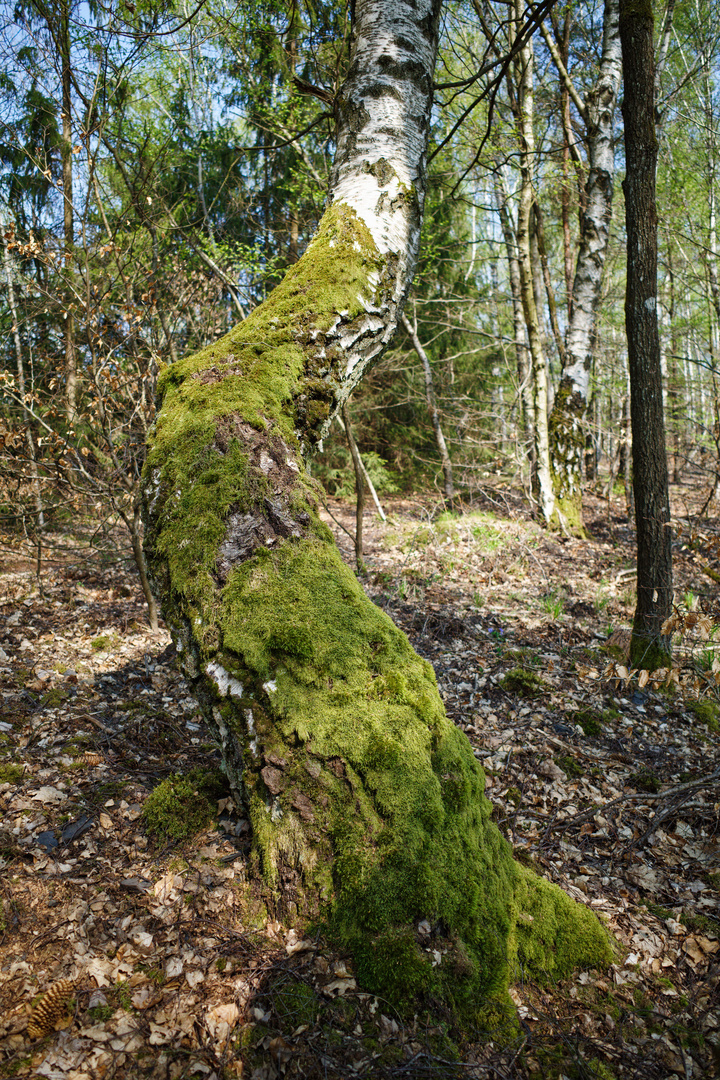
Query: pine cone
[49, 1009]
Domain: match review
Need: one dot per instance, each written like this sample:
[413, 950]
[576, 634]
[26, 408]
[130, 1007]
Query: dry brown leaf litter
[171, 976]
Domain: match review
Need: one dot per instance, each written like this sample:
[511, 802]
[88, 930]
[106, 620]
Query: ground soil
[607, 786]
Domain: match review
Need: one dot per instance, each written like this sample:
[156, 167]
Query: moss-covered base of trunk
[366, 802]
[567, 447]
[568, 515]
[649, 653]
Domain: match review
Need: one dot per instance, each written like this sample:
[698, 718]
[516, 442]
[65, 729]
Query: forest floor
[609, 789]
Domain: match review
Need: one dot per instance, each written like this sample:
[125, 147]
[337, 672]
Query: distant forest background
[161, 167]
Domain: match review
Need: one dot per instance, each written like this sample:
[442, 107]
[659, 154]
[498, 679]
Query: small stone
[275, 759]
[303, 806]
[274, 779]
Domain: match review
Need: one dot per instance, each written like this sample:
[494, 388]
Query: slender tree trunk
[359, 489]
[649, 647]
[567, 439]
[22, 391]
[565, 192]
[366, 475]
[169, 339]
[366, 803]
[627, 452]
[547, 280]
[541, 479]
[522, 358]
[71, 389]
[139, 555]
[676, 388]
[448, 485]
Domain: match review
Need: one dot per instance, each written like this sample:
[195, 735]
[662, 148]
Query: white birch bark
[522, 361]
[264, 397]
[598, 112]
[542, 479]
[379, 168]
[595, 226]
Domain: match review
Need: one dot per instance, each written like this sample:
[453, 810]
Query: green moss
[645, 780]
[570, 766]
[707, 713]
[567, 516]
[366, 802]
[264, 374]
[392, 962]
[523, 682]
[649, 654]
[105, 643]
[101, 1012]
[296, 1003]
[567, 445]
[121, 992]
[11, 774]
[177, 809]
[589, 721]
[54, 698]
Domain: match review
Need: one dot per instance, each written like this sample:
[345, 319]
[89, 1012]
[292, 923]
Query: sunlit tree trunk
[63, 40]
[649, 648]
[522, 358]
[567, 437]
[448, 483]
[541, 478]
[366, 802]
[359, 487]
[22, 389]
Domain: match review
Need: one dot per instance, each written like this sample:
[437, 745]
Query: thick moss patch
[366, 802]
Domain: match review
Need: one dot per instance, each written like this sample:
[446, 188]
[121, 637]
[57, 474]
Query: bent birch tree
[366, 802]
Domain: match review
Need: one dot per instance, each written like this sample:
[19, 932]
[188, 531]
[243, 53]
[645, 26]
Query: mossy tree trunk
[649, 648]
[366, 802]
[567, 437]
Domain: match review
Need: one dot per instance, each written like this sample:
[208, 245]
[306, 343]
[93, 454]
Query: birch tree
[525, 121]
[366, 802]
[567, 438]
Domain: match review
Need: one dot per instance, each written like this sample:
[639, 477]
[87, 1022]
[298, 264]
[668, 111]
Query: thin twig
[691, 785]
